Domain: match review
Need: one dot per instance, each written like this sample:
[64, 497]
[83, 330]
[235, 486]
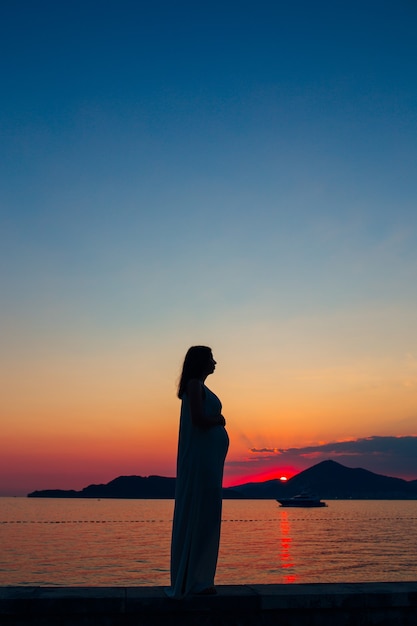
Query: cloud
[273, 450]
[369, 445]
[391, 456]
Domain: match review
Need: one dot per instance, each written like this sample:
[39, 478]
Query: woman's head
[198, 363]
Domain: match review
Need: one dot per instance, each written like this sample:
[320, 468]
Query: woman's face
[211, 365]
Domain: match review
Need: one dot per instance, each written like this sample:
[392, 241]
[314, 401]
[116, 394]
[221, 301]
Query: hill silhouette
[332, 480]
[129, 487]
[327, 479]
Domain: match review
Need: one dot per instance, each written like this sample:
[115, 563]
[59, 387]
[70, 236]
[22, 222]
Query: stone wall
[355, 604]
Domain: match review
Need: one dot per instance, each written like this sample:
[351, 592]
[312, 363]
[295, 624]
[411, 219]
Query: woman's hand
[195, 398]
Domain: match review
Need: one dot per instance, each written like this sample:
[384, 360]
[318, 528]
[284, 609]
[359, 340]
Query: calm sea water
[127, 542]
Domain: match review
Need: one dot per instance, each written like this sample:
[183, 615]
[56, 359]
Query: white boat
[303, 499]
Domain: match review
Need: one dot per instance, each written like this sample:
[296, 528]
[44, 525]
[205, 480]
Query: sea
[86, 542]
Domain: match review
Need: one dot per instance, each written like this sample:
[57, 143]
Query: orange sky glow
[67, 429]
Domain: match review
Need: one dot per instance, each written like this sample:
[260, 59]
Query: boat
[303, 499]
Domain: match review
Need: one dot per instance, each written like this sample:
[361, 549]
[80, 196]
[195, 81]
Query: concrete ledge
[350, 604]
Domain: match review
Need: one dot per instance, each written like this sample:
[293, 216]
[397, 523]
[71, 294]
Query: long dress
[198, 500]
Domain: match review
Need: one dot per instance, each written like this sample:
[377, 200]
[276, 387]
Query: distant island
[327, 479]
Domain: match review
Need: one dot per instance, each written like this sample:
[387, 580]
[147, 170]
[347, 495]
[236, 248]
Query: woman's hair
[195, 363]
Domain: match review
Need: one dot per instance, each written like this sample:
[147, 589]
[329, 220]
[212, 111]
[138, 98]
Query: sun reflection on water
[285, 554]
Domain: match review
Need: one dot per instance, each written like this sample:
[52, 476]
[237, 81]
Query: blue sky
[272, 136]
[236, 173]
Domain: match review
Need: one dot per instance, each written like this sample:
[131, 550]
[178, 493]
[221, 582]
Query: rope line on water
[162, 521]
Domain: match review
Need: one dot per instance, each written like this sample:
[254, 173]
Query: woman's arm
[195, 398]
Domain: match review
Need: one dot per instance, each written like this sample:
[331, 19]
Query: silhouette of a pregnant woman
[202, 449]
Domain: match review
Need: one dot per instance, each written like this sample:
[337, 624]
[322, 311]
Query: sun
[283, 479]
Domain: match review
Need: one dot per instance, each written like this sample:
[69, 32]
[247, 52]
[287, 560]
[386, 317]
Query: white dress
[198, 500]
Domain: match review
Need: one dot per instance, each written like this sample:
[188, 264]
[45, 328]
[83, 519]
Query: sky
[240, 175]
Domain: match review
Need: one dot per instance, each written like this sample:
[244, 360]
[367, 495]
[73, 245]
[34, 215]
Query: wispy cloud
[394, 456]
[262, 450]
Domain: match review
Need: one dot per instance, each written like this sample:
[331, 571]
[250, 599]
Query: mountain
[327, 479]
[128, 487]
[149, 487]
[331, 480]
